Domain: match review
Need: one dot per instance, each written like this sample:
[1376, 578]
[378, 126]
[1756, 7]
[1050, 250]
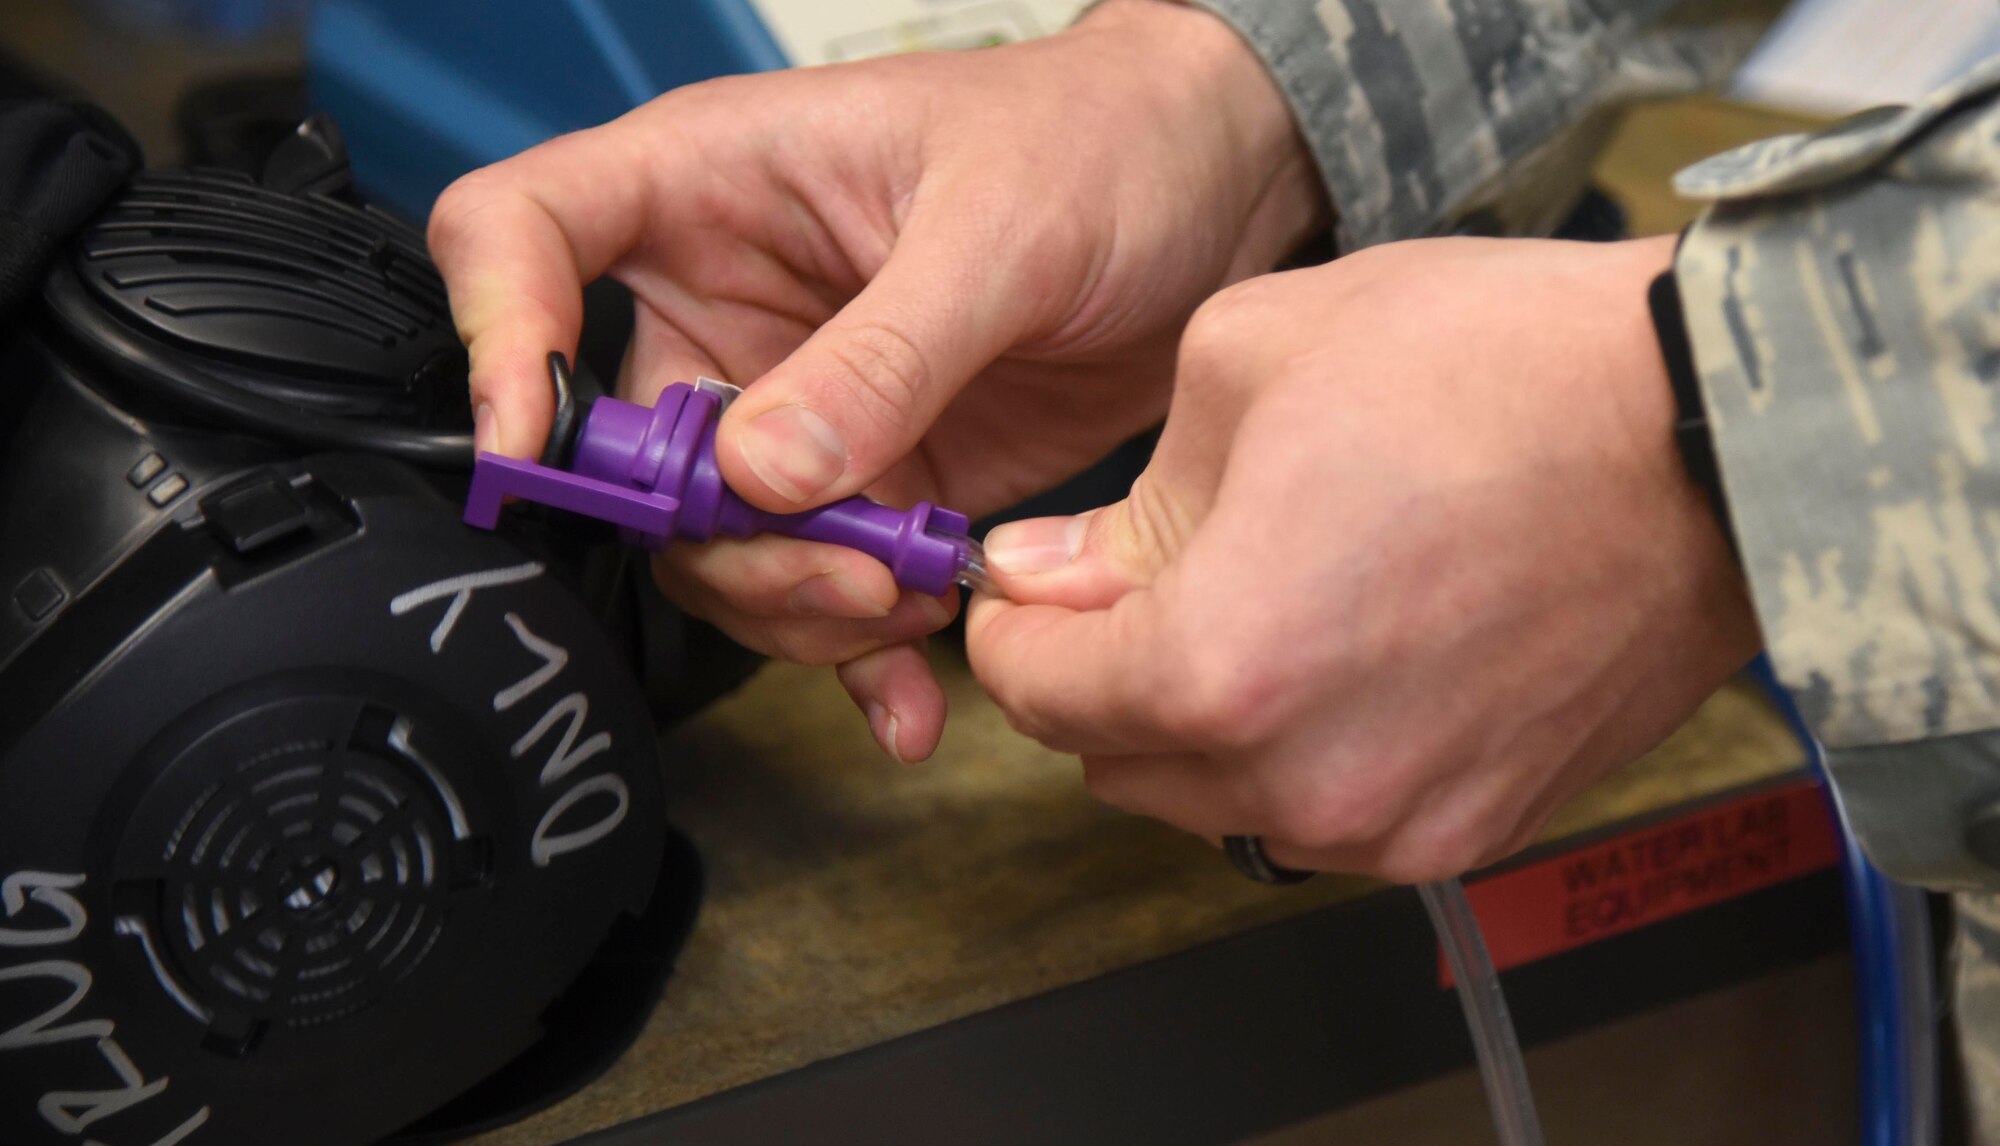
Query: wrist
[1216, 84]
[1673, 431]
[1691, 433]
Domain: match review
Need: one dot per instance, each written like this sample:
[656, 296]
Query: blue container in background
[426, 91]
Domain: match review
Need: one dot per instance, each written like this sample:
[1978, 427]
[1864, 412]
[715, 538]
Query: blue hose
[1891, 938]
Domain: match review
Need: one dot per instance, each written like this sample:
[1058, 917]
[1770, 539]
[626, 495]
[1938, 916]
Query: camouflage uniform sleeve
[1425, 115]
[1842, 297]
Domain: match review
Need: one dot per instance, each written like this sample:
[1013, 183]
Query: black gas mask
[321, 814]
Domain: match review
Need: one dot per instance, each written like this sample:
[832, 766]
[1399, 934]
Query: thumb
[1091, 560]
[858, 396]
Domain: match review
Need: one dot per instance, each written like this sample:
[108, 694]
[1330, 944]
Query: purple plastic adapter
[652, 472]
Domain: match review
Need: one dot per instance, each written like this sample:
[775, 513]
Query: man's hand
[957, 277]
[1415, 561]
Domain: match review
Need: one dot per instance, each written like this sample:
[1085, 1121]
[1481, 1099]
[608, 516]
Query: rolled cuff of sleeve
[1842, 300]
[1846, 335]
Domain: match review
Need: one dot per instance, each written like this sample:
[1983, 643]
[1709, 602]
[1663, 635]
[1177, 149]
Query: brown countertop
[851, 900]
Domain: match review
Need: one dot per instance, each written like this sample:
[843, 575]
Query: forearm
[1424, 113]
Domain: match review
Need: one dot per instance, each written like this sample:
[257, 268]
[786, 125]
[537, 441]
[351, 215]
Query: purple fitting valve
[652, 472]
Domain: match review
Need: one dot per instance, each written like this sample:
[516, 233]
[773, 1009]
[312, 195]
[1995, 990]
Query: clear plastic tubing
[1501, 1068]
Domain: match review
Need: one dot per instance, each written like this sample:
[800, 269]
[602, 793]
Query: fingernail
[883, 724]
[832, 595]
[485, 430]
[794, 451]
[1036, 545]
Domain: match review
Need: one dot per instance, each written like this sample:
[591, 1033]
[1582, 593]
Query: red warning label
[1656, 873]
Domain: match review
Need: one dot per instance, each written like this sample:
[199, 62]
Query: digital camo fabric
[1843, 298]
[1427, 114]
[1975, 960]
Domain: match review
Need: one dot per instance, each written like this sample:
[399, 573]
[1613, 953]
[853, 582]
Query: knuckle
[1034, 724]
[1223, 328]
[1323, 805]
[455, 214]
[1024, 720]
[1314, 823]
[1371, 264]
[1319, 815]
[1367, 270]
[1243, 335]
[1024, 708]
[714, 91]
[1376, 284]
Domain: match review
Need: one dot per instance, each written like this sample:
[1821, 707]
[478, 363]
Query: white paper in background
[826, 31]
[1833, 57]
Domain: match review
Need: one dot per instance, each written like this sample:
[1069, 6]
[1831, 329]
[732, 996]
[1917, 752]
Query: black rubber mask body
[317, 809]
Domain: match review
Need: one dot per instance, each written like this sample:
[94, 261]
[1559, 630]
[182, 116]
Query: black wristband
[1691, 436]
